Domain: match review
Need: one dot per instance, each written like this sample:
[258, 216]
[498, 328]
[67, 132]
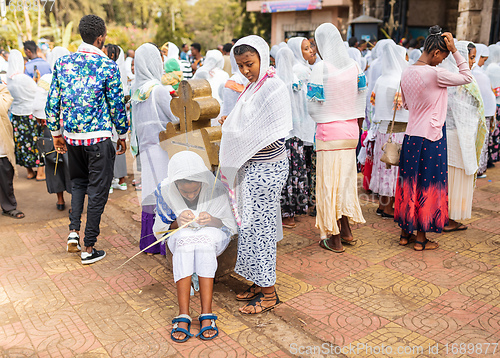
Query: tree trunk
[29, 29]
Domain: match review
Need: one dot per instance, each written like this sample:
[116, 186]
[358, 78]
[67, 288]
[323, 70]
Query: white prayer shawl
[274, 51]
[304, 127]
[128, 68]
[21, 86]
[261, 116]
[462, 119]
[355, 54]
[338, 75]
[120, 62]
[493, 56]
[212, 71]
[148, 70]
[481, 51]
[150, 115]
[414, 56]
[393, 64]
[45, 81]
[213, 197]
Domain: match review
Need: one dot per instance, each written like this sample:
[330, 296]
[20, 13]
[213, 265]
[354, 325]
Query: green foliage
[213, 22]
[255, 23]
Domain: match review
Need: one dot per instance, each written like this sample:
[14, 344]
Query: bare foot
[209, 332]
[428, 245]
[249, 294]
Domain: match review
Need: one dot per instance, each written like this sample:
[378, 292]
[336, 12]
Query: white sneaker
[122, 186]
[73, 244]
[95, 256]
[111, 189]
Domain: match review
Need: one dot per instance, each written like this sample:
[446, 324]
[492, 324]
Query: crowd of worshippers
[299, 121]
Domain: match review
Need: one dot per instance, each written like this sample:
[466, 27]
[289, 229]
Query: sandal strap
[205, 316]
[182, 318]
[181, 330]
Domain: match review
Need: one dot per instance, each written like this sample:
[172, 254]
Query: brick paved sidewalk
[376, 293]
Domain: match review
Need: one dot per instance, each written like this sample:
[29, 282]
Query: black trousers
[7, 199]
[91, 173]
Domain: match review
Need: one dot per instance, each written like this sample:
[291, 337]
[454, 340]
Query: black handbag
[46, 148]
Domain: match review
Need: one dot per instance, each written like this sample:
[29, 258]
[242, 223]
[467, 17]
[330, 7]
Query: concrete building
[474, 20]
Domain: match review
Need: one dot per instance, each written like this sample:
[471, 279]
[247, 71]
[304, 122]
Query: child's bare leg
[183, 295]
[206, 294]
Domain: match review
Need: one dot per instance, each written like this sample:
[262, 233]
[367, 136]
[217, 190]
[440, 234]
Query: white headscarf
[148, 71]
[494, 55]
[274, 51]
[337, 74]
[213, 197]
[355, 54]
[261, 116]
[464, 117]
[213, 60]
[173, 51]
[295, 44]
[21, 86]
[393, 64]
[414, 56]
[120, 62]
[16, 64]
[481, 51]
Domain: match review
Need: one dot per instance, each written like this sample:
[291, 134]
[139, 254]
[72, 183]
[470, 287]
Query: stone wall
[469, 20]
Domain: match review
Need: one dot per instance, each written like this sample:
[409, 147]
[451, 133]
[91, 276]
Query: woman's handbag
[392, 150]
[46, 148]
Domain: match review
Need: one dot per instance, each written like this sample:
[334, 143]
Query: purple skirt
[147, 235]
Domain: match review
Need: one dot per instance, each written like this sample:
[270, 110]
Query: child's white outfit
[194, 248]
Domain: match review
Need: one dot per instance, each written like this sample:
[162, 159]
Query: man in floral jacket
[87, 93]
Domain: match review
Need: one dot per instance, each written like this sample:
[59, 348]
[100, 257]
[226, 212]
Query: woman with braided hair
[421, 202]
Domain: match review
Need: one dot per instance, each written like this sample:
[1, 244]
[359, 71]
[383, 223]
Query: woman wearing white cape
[253, 152]
[150, 115]
[489, 101]
[337, 94]
[191, 192]
[295, 72]
[26, 131]
[465, 133]
[492, 67]
[212, 71]
[60, 181]
[385, 93]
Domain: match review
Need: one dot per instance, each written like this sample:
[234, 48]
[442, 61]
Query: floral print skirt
[295, 193]
[26, 133]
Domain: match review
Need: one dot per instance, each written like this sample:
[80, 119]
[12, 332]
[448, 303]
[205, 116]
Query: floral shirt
[87, 93]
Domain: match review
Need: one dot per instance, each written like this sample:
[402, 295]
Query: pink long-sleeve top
[424, 94]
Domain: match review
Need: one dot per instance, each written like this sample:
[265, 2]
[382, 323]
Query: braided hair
[241, 49]
[113, 51]
[435, 41]
[470, 46]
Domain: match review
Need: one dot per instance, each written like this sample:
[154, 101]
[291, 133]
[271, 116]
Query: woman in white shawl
[465, 134]
[150, 115]
[191, 193]
[386, 96]
[57, 182]
[213, 71]
[296, 70]
[489, 101]
[26, 130]
[492, 67]
[337, 94]
[253, 151]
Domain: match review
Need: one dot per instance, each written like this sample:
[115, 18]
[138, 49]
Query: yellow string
[57, 159]
[159, 240]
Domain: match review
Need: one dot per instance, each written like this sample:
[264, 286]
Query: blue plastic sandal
[213, 326]
[181, 318]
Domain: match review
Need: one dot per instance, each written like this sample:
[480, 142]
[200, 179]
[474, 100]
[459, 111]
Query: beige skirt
[460, 193]
[336, 190]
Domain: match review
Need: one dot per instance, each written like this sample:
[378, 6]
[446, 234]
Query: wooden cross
[194, 107]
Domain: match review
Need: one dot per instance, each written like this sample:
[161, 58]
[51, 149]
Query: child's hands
[204, 218]
[185, 217]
